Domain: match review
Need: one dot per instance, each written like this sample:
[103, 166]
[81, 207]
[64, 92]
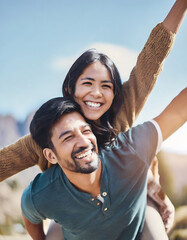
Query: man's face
[75, 144]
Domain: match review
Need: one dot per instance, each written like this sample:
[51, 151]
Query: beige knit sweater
[26, 153]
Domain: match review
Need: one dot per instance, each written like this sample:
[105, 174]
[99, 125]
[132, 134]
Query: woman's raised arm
[149, 64]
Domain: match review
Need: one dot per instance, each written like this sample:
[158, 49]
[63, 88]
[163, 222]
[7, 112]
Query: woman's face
[94, 91]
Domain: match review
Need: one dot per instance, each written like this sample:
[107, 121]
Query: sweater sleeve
[143, 76]
[20, 155]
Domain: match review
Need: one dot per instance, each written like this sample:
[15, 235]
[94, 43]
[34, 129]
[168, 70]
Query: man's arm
[176, 15]
[174, 115]
[35, 230]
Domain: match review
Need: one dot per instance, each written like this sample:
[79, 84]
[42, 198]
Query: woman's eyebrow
[92, 79]
[107, 81]
[88, 78]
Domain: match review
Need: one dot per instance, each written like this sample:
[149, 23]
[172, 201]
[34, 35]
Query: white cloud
[62, 63]
[124, 58]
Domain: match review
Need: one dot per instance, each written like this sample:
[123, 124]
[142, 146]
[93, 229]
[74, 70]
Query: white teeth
[84, 154]
[91, 104]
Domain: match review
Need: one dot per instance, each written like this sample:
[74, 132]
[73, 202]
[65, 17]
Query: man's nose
[82, 141]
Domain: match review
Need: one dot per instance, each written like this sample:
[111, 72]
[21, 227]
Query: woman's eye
[107, 86]
[87, 83]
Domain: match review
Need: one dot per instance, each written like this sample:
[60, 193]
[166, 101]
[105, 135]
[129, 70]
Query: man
[91, 193]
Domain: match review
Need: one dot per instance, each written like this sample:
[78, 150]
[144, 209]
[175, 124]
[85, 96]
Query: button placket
[106, 204]
[105, 192]
[95, 201]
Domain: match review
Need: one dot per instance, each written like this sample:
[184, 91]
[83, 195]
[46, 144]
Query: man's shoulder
[39, 194]
[138, 142]
[46, 180]
[135, 134]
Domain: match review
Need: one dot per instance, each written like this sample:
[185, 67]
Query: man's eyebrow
[86, 125]
[70, 131]
[64, 133]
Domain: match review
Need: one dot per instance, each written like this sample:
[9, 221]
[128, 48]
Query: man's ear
[49, 155]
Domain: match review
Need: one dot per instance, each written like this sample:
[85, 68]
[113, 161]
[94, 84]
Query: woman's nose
[96, 92]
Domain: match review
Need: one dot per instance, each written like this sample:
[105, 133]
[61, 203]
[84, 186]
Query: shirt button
[105, 209]
[92, 199]
[98, 204]
[104, 194]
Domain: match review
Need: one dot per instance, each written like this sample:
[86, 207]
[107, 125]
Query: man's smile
[84, 154]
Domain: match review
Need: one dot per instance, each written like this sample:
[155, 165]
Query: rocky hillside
[11, 129]
[12, 188]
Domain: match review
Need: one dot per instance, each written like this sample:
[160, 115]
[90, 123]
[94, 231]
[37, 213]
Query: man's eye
[68, 138]
[87, 131]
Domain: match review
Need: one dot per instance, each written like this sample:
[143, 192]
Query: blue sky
[40, 39]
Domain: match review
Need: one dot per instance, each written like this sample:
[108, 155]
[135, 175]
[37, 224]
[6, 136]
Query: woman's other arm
[174, 115]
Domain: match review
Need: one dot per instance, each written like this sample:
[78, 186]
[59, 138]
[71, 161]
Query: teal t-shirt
[123, 188]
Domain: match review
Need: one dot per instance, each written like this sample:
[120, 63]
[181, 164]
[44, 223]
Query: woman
[91, 78]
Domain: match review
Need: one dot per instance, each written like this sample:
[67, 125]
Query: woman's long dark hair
[78, 68]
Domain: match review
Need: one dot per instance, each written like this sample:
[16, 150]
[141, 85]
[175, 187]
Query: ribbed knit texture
[26, 153]
[143, 76]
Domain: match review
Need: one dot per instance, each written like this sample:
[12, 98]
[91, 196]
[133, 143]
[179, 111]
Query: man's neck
[89, 183]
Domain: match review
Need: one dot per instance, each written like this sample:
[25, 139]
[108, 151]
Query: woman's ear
[49, 155]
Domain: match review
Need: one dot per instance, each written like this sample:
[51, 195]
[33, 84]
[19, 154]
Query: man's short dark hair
[49, 114]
